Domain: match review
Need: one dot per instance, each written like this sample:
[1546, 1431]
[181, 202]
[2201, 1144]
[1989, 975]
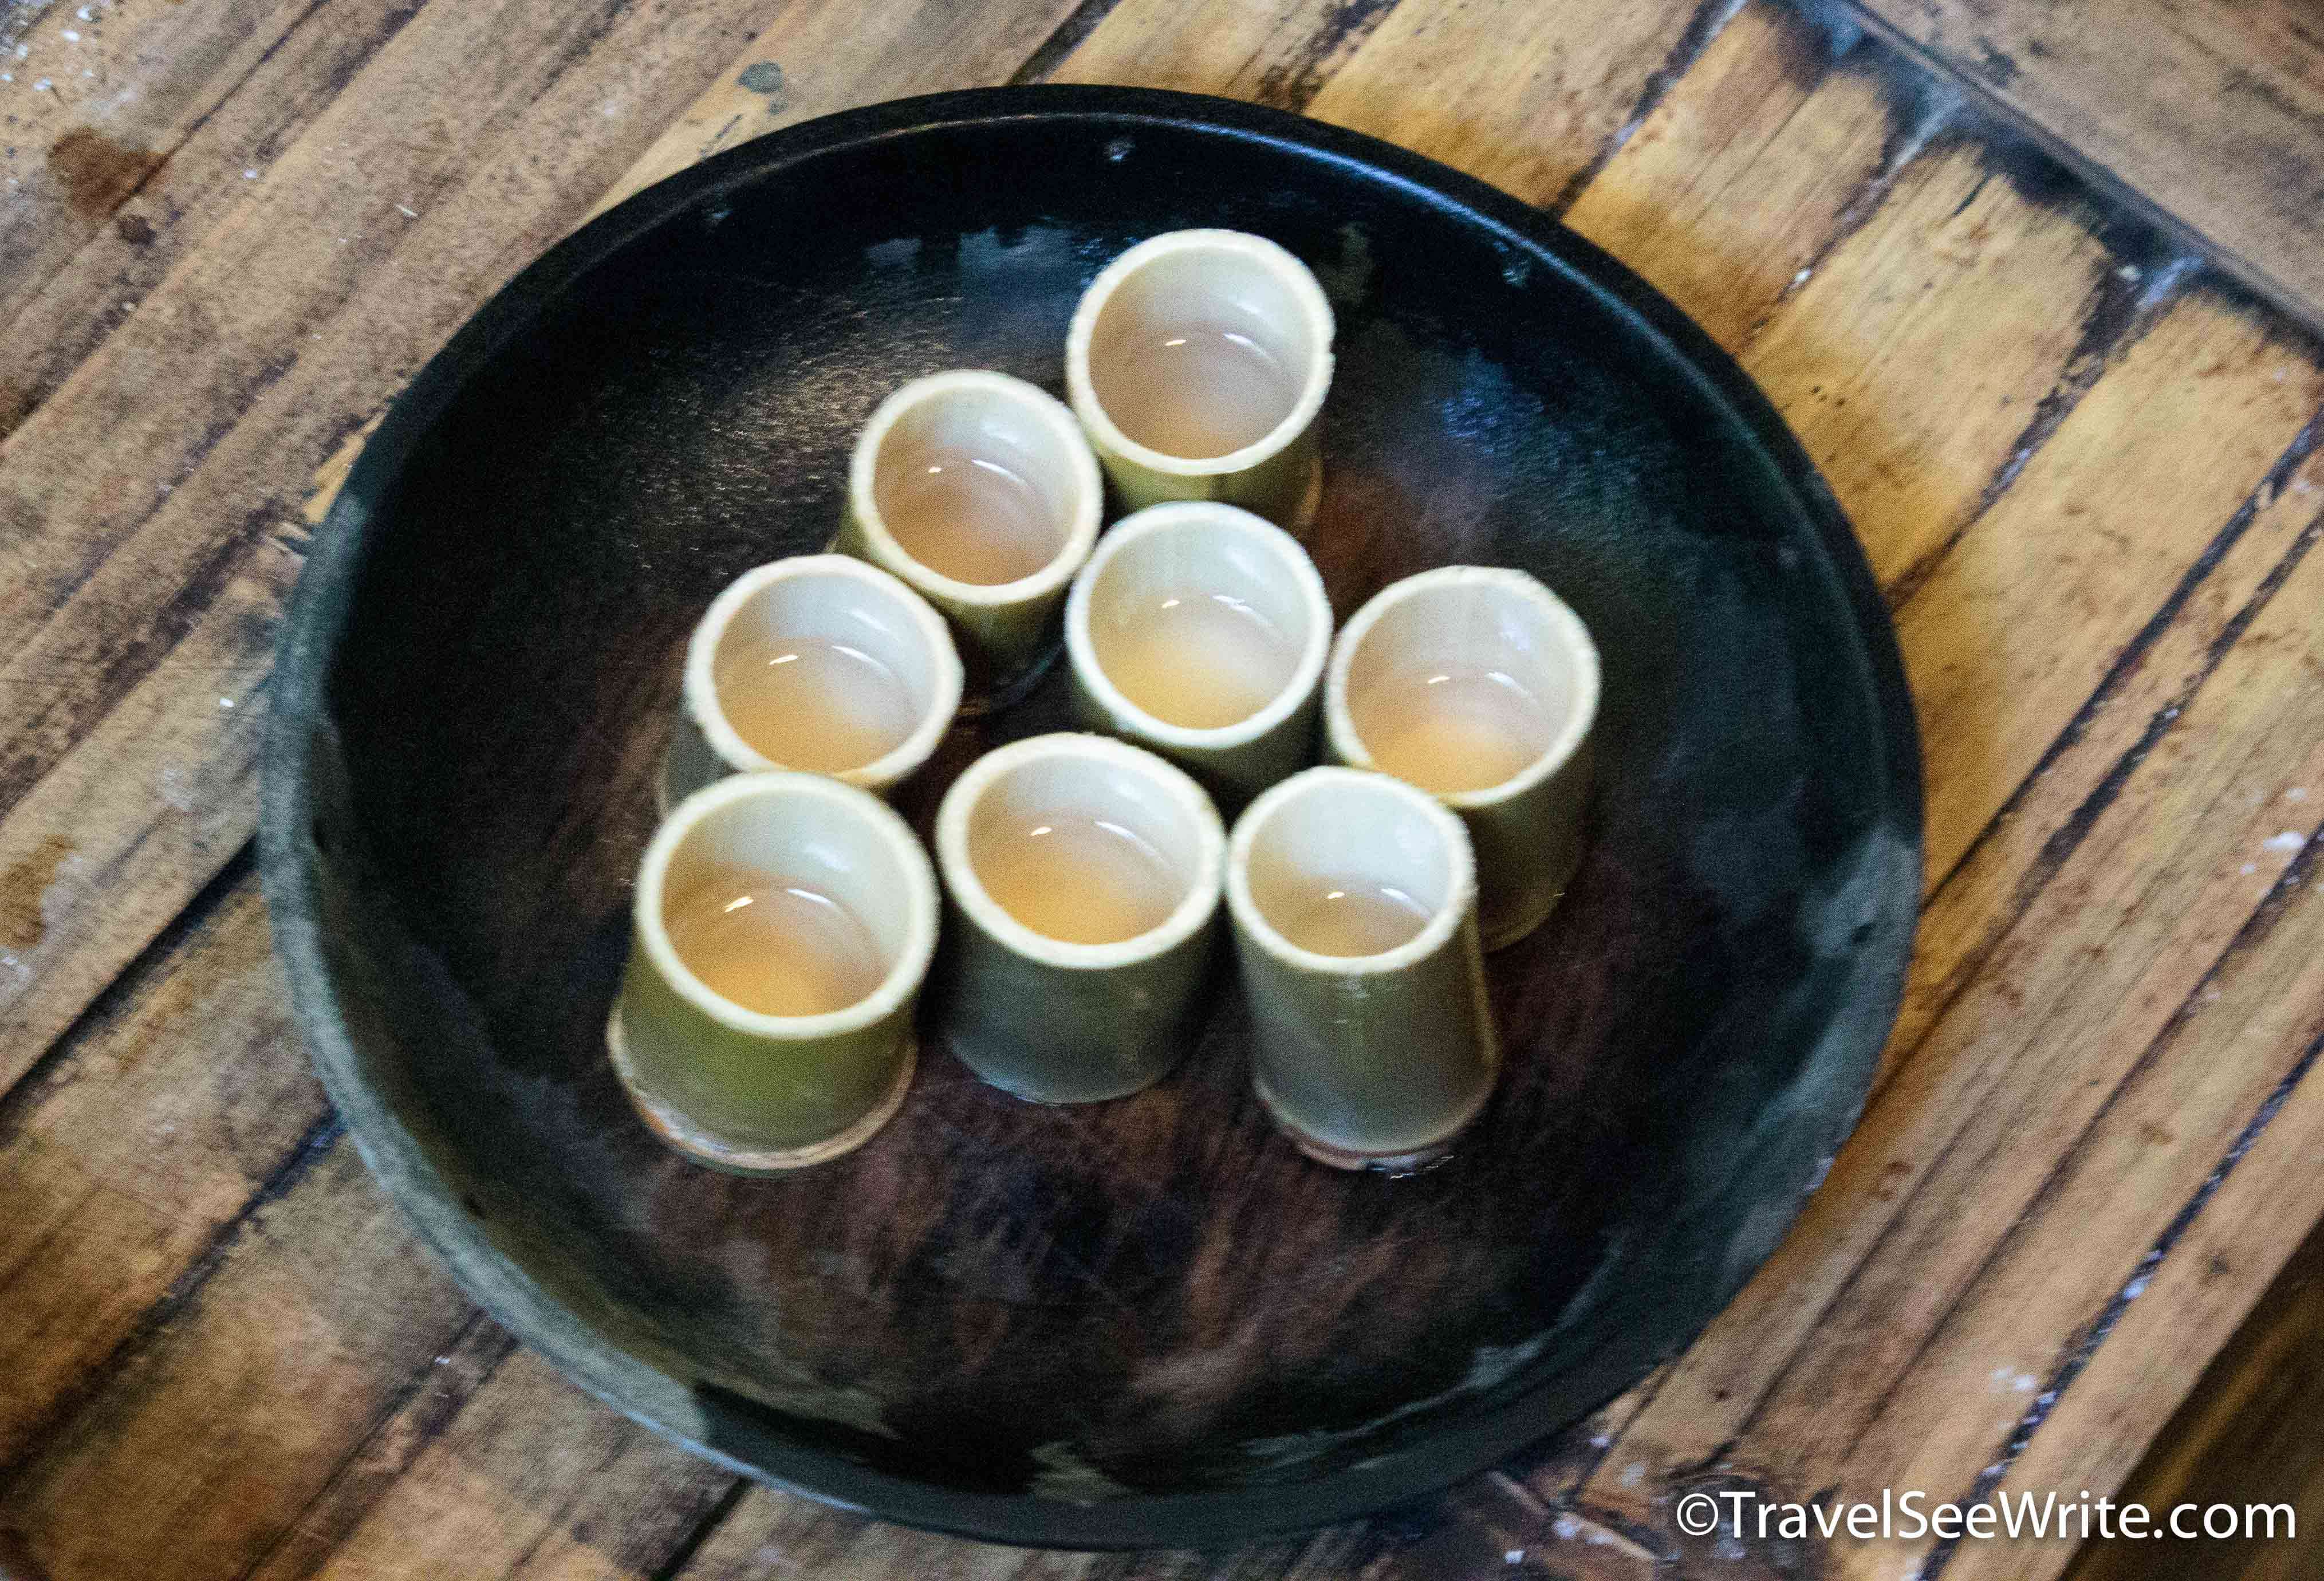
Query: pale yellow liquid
[970, 518]
[811, 702]
[769, 945]
[1352, 917]
[1195, 390]
[1073, 877]
[1449, 729]
[1199, 661]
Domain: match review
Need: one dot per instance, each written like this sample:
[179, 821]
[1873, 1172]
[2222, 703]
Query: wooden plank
[94, 105]
[230, 324]
[2213, 115]
[153, 193]
[225, 1425]
[2230, 1090]
[1853, 254]
[122, 1167]
[1717, 1388]
[773, 1533]
[818, 58]
[2153, 678]
[99, 852]
[1961, 282]
[1279, 55]
[2203, 1048]
[2019, 623]
[366, 1471]
[528, 1479]
[1530, 97]
[1748, 172]
[1939, 260]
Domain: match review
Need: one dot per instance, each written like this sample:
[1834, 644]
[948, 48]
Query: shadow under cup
[783, 924]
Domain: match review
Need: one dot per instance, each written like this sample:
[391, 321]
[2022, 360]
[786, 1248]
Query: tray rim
[397, 1159]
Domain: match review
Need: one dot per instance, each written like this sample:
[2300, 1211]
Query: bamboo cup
[819, 663]
[1354, 901]
[979, 490]
[1200, 631]
[782, 925]
[1198, 361]
[1084, 880]
[1479, 686]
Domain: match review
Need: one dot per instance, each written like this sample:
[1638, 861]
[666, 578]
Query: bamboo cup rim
[1315, 321]
[1573, 653]
[1167, 784]
[1084, 501]
[1329, 783]
[914, 878]
[946, 677]
[1262, 536]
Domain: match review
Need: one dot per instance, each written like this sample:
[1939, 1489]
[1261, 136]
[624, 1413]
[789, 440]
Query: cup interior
[1462, 686]
[825, 671]
[1203, 350]
[1203, 623]
[1350, 866]
[977, 482]
[1084, 849]
[787, 905]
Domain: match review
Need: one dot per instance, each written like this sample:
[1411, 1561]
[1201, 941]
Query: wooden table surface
[2084, 468]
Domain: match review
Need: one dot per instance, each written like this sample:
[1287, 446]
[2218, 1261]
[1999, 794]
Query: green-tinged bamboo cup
[1354, 900]
[1198, 361]
[1083, 874]
[783, 924]
[1479, 686]
[819, 663]
[979, 490]
[1200, 631]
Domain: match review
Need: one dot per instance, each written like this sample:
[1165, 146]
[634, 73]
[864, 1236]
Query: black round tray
[1145, 1322]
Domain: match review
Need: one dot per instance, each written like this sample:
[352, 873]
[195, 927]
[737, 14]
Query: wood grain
[1532, 98]
[1994, 686]
[139, 1150]
[2212, 115]
[527, 1480]
[2133, 708]
[214, 1436]
[1278, 55]
[816, 60]
[169, 156]
[1990, 394]
[96, 105]
[126, 540]
[1752, 168]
